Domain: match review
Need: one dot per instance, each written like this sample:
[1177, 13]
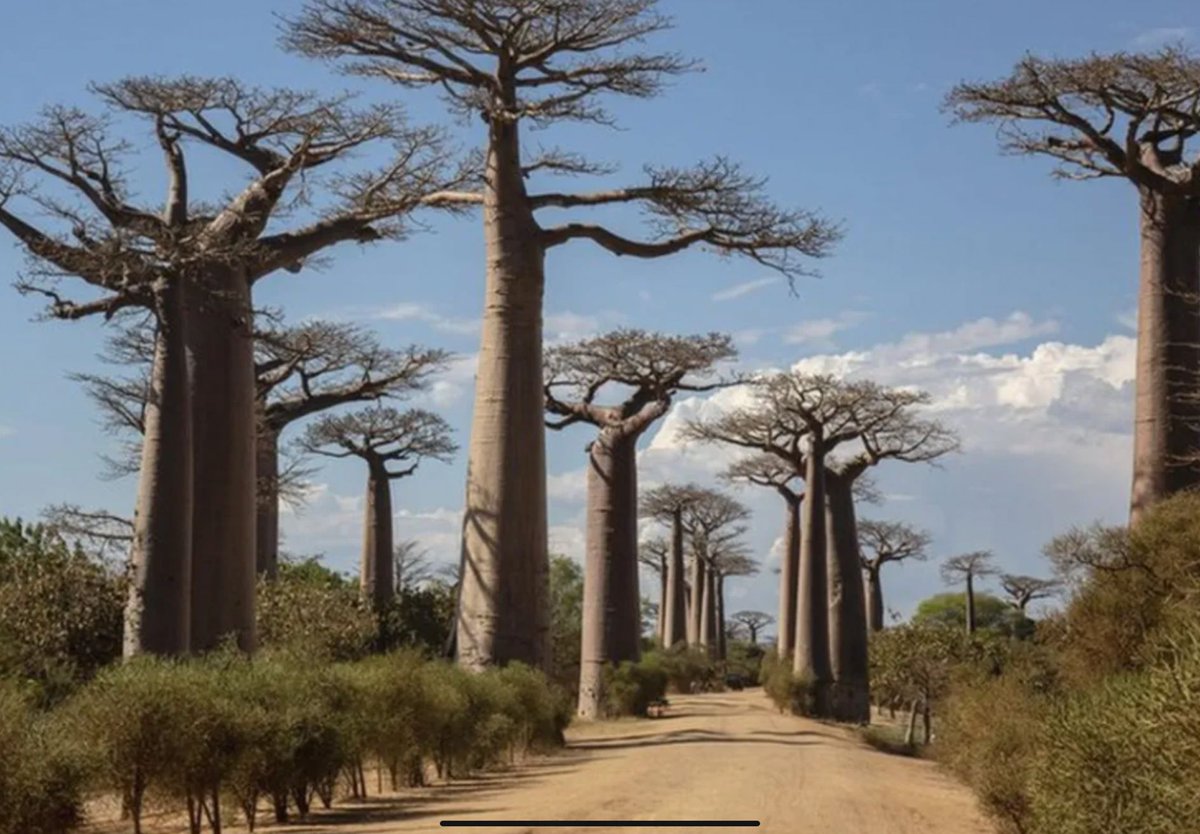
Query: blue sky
[975, 275]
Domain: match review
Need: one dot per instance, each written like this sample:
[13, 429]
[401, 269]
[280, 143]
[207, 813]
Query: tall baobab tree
[512, 64]
[712, 524]
[666, 504]
[307, 369]
[1022, 590]
[393, 444]
[881, 543]
[728, 559]
[799, 419]
[647, 370]
[770, 471]
[656, 555]
[888, 427]
[753, 622]
[966, 568]
[1132, 116]
[192, 266]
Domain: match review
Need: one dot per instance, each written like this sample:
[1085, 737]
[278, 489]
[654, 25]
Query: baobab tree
[393, 444]
[1023, 590]
[1131, 116]
[647, 370]
[655, 554]
[966, 568]
[666, 504]
[770, 471]
[192, 267]
[307, 369]
[512, 64]
[881, 543]
[799, 419]
[728, 559]
[712, 524]
[888, 427]
[753, 622]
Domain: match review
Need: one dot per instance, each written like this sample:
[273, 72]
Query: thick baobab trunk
[810, 659]
[711, 618]
[696, 601]
[675, 607]
[705, 608]
[660, 619]
[157, 611]
[1166, 437]
[847, 609]
[970, 603]
[223, 407]
[503, 611]
[874, 600]
[611, 601]
[377, 568]
[789, 570]
[266, 537]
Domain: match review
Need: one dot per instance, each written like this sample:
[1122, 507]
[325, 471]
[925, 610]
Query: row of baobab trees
[193, 259]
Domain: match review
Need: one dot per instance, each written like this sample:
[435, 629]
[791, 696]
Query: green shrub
[540, 710]
[307, 614]
[687, 670]
[797, 695]
[745, 660]
[396, 697]
[630, 688]
[41, 774]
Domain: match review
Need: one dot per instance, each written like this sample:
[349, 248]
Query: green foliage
[630, 688]
[40, 771]
[566, 621]
[306, 613]
[790, 693]
[745, 660]
[420, 617]
[991, 614]
[687, 670]
[61, 612]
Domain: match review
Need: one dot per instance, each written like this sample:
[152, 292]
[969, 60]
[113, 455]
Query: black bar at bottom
[600, 824]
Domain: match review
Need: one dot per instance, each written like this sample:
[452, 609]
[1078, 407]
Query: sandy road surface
[725, 755]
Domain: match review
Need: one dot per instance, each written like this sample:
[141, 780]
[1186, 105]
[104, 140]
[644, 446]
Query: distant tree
[949, 609]
[1023, 590]
[526, 63]
[728, 559]
[411, 564]
[192, 266]
[393, 444]
[753, 622]
[655, 554]
[666, 505]
[99, 532]
[646, 370]
[1133, 117]
[968, 567]
[881, 543]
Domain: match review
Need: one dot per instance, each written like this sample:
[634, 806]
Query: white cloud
[454, 384]
[820, 332]
[1162, 36]
[744, 288]
[1128, 319]
[411, 311]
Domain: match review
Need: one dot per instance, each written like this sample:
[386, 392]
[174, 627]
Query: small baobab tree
[666, 504]
[528, 63]
[646, 370]
[393, 444]
[1022, 590]
[192, 265]
[753, 622]
[1133, 117]
[966, 568]
[881, 543]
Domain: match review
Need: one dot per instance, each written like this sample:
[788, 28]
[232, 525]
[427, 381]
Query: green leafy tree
[566, 620]
[991, 613]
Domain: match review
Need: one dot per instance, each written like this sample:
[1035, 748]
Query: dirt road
[720, 756]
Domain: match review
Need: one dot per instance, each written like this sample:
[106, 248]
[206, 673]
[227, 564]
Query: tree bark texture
[157, 610]
[708, 613]
[611, 600]
[660, 619]
[266, 537]
[1166, 436]
[970, 603]
[225, 494]
[847, 608]
[377, 568]
[720, 617]
[675, 607]
[789, 570]
[811, 650]
[696, 601]
[503, 613]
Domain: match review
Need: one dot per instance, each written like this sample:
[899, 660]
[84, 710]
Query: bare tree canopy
[891, 541]
[661, 502]
[968, 565]
[653, 554]
[1022, 590]
[649, 367]
[103, 533]
[752, 621]
[383, 434]
[1121, 115]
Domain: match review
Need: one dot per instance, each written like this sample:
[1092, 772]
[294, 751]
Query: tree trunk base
[850, 702]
